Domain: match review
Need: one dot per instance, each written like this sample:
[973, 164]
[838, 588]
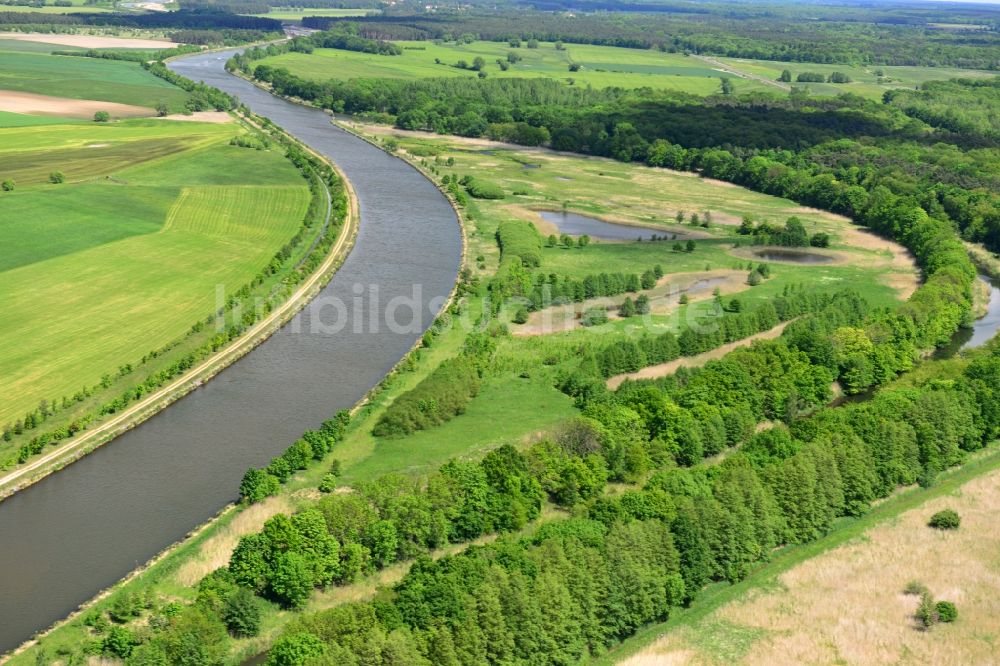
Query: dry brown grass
[215, 552]
[847, 606]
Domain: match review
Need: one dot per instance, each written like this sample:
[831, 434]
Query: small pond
[792, 256]
[575, 224]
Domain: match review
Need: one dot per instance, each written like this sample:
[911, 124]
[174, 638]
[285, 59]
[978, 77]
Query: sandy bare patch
[903, 275]
[200, 117]
[98, 145]
[669, 368]
[215, 552]
[89, 41]
[44, 105]
[847, 605]
[664, 298]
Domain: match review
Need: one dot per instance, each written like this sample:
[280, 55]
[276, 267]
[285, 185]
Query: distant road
[740, 73]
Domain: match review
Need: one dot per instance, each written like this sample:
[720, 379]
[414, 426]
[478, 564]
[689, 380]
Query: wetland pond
[575, 224]
[792, 256]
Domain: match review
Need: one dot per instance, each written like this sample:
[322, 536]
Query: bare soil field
[89, 41]
[30, 103]
[847, 606]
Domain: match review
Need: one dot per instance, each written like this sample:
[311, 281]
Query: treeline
[438, 398]
[553, 289]
[132, 56]
[201, 97]
[342, 38]
[791, 234]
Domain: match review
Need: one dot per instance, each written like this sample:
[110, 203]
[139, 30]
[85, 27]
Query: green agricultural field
[86, 78]
[8, 119]
[50, 9]
[297, 13]
[127, 253]
[865, 80]
[601, 66]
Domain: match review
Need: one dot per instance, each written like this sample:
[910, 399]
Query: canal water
[85, 527]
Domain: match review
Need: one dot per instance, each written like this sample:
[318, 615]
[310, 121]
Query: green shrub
[242, 613]
[594, 317]
[328, 483]
[520, 239]
[441, 396]
[947, 519]
[946, 611]
[484, 189]
[927, 611]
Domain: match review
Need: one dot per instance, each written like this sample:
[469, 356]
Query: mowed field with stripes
[128, 252]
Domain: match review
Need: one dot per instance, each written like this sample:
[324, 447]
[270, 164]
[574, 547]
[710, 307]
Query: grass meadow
[601, 66]
[125, 255]
[74, 77]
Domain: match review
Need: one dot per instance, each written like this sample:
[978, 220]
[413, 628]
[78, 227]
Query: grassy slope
[96, 266]
[86, 78]
[603, 66]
